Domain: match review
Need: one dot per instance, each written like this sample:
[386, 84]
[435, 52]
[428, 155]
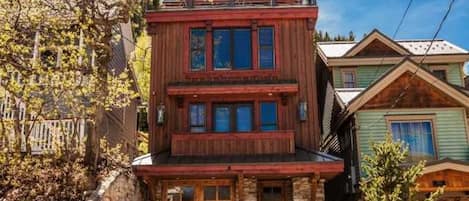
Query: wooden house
[413, 89]
[233, 111]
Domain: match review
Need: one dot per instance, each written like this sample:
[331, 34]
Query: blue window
[268, 115]
[266, 47]
[222, 118]
[233, 117]
[232, 49]
[418, 136]
[197, 49]
[197, 117]
[244, 118]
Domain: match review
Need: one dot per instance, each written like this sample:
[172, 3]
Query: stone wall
[249, 189]
[119, 185]
[302, 188]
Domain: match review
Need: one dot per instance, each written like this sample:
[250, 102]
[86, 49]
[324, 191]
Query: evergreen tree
[351, 36]
[386, 178]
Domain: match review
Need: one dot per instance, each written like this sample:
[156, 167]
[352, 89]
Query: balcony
[202, 144]
[189, 4]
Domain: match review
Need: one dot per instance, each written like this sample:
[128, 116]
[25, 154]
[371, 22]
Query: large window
[268, 115]
[417, 135]
[197, 117]
[180, 193]
[233, 117]
[231, 49]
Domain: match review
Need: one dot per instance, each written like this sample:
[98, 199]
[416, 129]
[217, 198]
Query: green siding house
[385, 86]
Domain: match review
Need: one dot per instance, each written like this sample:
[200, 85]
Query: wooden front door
[272, 191]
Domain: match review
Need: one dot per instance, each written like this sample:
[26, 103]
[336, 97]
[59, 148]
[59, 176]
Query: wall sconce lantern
[160, 114]
[303, 110]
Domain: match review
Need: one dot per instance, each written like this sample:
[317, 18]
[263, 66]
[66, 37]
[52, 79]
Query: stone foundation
[249, 189]
[320, 196]
[118, 186]
[302, 188]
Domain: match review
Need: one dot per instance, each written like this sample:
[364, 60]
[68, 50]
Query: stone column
[249, 189]
[302, 189]
[320, 196]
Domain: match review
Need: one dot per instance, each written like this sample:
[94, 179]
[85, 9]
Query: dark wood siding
[296, 62]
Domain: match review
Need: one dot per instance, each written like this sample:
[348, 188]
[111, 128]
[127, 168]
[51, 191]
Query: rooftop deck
[154, 5]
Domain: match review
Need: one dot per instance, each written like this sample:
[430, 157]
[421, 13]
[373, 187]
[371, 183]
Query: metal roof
[300, 155]
[416, 47]
[348, 94]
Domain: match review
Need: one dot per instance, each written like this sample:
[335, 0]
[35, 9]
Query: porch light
[303, 110]
[160, 114]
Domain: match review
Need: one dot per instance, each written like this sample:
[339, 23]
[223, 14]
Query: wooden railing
[42, 134]
[275, 142]
[168, 4]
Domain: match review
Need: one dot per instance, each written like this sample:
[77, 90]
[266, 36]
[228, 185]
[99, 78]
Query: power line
[396, 101]
[384, 53]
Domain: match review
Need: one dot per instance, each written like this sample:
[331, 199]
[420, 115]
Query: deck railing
[176, 4]
[42, 134]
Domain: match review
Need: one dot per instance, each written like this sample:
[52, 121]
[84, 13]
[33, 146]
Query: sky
[421, 22]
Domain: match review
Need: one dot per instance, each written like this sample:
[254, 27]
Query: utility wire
[401, 95]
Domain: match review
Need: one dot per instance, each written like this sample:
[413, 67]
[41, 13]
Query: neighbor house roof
[406, 65]
[416, 47]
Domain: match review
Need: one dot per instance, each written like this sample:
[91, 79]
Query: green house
[412, 89]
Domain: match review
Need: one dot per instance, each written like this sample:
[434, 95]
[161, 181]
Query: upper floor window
[197, 117]
[197, 49]
[440, 73]
[417, 135]
[233, 117]
[232, 49]
[349, 78]
[268, 112]
[266, 47]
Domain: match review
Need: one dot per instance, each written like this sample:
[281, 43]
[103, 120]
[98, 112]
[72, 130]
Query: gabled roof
[376, 35]
[446, 164]
[394, 73]
[339, 49]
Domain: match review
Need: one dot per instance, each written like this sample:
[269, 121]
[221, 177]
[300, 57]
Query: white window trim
[352, 70]
[416, 118]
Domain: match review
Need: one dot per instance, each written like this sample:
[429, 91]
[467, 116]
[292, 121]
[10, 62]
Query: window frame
[349, 70]
[209, 71]
[260, 116]
[233, 106]
[232, 31]
[259, 47]
[416, 118]
[440, 68]
[204, 68]
[198, 185]
[190, 117]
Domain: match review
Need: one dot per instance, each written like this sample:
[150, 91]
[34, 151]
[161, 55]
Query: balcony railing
[176, 4]
[202, 144]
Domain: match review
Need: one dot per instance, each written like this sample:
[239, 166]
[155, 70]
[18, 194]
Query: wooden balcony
[202, 144]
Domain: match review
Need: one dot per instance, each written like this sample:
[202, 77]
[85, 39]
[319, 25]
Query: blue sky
[361, 16]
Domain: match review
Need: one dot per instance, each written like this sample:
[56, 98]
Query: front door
[272, 191]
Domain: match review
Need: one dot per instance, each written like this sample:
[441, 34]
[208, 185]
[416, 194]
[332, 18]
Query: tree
[141, 64]
[320, 36]
[55, 57]
[386, 178]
